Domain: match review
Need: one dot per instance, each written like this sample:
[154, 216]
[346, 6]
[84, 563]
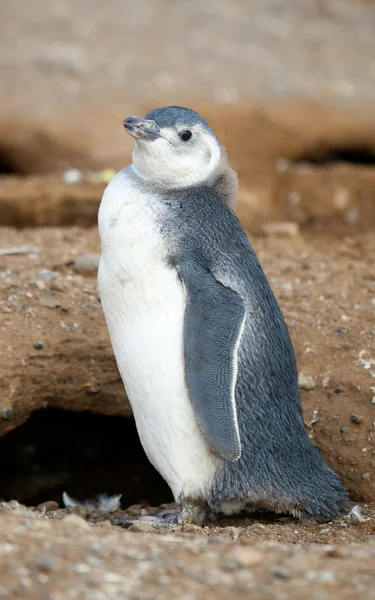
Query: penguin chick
[199, 339]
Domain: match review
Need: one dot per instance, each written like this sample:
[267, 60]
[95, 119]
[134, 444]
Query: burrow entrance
[359, 154]
[82, 453]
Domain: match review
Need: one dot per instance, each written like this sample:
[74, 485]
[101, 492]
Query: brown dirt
[296, 161]
[70, 558]
[44, 299]
[326, 288]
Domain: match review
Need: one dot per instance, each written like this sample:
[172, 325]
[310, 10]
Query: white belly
[143, 302]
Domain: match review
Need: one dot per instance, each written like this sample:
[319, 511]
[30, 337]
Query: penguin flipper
[213, 323]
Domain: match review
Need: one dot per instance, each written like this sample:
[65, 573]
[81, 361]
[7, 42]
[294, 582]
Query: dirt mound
[55, 350]
[296, 161]
[75, 559]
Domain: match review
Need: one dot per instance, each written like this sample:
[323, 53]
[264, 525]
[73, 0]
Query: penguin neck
[223, 180]
[226, 183]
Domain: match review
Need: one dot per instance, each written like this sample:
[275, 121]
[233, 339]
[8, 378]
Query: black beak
[141, 129]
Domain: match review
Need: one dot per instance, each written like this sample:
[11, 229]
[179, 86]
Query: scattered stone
[7, 413]
[141, 527]
[56, 514]
[87, 263]
[191, 528]
[244, 556]
[72, 176]
[38, 345]
[57, 286]
[282, 229]
[282, 164]
[324, 531]
[369, 539]
[47, 506]
[80, 568]
[40, 285]
[338, 390]
[18, 250]
[355, 419]
[343, 429]
[366, 475]
[257, 529]
[305, 382]
[281, 572]
[230, 566]
[47, 564]
[50, 303]
[46, 274]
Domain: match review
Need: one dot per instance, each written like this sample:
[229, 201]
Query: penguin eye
[185, 135]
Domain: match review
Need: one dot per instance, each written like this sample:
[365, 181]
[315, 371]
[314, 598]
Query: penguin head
[175, 148]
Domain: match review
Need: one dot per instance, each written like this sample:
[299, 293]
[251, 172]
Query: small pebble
[282, 229]
[57, 286]
[47, 506]
[366, 475]
[343, 429]
[369, 539]
[306, 382]
[46, 274]
[72, 176]
[281, 572]
[38, 345]
[76, 521]
[87, 263]
[244, 556]
[191, 528]
[93, 580]
[355, 419]
[47, 563]
[230, 566]
[56, 514]
[80, 568]
[141, 527]
[7, 413]
[338, 390]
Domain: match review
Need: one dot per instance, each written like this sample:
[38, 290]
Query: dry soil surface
[55, 349]
[67, 557]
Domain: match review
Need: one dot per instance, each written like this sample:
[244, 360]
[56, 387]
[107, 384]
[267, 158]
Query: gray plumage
[278, 469]
[178, 116]
[238, 360]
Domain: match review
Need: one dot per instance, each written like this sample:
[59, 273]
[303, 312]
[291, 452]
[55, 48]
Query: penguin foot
[168, 517]
[152, 520]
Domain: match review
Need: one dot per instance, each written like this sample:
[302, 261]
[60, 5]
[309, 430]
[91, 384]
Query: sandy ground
[70, 558]
[326, 288]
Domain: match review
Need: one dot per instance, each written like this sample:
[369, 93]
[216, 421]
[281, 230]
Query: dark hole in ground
[7, 166]
[82, 453]
[357, 155]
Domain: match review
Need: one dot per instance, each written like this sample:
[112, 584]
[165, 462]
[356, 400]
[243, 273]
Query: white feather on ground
[102, 503]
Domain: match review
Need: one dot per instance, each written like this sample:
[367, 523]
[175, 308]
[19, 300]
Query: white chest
[143, 302]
